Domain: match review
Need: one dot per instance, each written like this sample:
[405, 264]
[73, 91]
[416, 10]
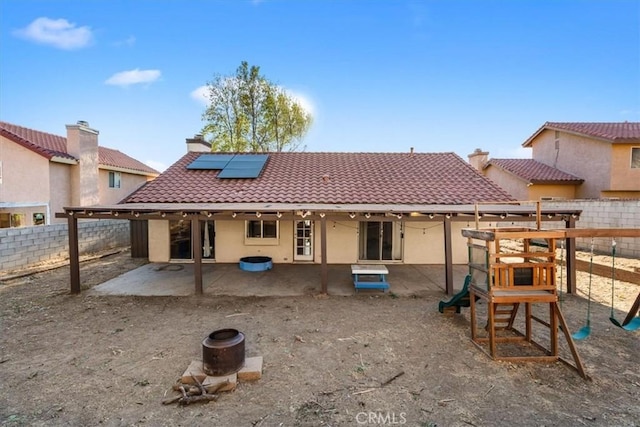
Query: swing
[585, 331]
[630, 323]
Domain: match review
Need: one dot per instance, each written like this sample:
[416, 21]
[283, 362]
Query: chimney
[478, 158]
[82, 143]
[198, 144]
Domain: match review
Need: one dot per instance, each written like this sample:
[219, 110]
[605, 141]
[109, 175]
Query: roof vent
[83, 123]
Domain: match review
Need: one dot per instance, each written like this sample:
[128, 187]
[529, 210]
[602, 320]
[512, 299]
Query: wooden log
[200, 398]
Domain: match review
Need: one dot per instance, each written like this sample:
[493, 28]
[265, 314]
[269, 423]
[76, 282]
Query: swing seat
[634, 325]
[583, 333]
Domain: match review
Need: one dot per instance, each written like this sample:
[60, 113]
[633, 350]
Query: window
[262, 229]
[17, 220]
[114, 179]
[38, 219]
[635, 158]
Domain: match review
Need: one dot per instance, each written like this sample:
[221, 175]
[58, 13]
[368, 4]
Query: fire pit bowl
[256, 263]
[223, 352]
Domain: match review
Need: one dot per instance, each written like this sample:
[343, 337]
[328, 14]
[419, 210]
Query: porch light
[116, 213]
[279, 215]
[136, 214]
[352, 215]
[70, 213]
[550, 216]
[305, 214]
[367, 215]
[322, 214]
[399, 216]
[90, 214]
[209, 214]
[574, 216]
[163, 214]
[258, 214]
[233, 215]
[448, 216]
[431, 216]
[503, 216]
[184, 214]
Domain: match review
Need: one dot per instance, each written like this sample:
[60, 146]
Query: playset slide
[461, 299]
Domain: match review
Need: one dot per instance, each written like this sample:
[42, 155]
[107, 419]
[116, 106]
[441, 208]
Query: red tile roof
[614, 132]
[345, 178]
[49, 146]
[534, 172]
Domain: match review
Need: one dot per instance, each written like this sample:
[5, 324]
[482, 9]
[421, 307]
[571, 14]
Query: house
[316, 208]
[571, 161]
[40, 173]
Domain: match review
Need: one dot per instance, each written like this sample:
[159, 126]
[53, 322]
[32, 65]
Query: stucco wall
[540, 191]
[128, 184]
[25, 176]
[585, 158]
[26, 246]
[623, 177]
[60, 187]
[423, 243]
[513, 185]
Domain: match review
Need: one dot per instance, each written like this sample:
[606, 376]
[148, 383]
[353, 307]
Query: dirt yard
[82, 360]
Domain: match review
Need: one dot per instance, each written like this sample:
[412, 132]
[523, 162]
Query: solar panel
[231, 165]
[211, 161]
[244, 166]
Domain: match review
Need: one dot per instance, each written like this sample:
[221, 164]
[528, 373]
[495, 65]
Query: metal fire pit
[223, 352]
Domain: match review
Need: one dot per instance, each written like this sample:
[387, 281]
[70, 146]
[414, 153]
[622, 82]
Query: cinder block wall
[605, 214]
[26, 246]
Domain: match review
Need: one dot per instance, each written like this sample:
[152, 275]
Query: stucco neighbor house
[571, 161]
[40, 173]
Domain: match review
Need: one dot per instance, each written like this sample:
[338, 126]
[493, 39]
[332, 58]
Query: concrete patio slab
[283, 280]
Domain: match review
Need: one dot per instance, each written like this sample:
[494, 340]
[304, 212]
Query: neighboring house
[571, 161]
[40, 173]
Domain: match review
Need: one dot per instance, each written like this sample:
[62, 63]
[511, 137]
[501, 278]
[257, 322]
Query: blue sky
[378, 75]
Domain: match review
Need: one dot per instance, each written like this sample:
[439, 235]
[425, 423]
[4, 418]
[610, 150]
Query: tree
[247, 112]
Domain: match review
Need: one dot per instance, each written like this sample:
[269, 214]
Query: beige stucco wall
[25, 176]
[539, 191]
[623, 177]
[159, 241]
[60, 188]
[513, 185]
[423, 243]
[128, 184]
[586, 158]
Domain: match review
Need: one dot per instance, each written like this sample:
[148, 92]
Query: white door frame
[303, 240]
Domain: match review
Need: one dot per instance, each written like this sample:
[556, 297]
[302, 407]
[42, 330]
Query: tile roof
[614, 132]
[534, 171]
[49, 146]
[45, 144]
[345, 178]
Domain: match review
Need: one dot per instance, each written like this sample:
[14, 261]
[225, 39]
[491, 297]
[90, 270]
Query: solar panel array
[231, 165]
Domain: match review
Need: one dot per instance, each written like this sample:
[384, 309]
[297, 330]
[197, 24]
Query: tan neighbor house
[571, 161]
[40, 173]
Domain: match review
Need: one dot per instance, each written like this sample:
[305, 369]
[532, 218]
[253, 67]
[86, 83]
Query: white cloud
[58, 33]
[201, 94]
[132, 77]
[129, 41]
[159, 166]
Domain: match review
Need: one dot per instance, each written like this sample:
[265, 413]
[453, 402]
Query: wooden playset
[512, 267]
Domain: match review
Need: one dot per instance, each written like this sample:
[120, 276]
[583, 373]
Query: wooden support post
[74, 255]
[324, 270]
[448, 257]
[197, 254]
[571, 258]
